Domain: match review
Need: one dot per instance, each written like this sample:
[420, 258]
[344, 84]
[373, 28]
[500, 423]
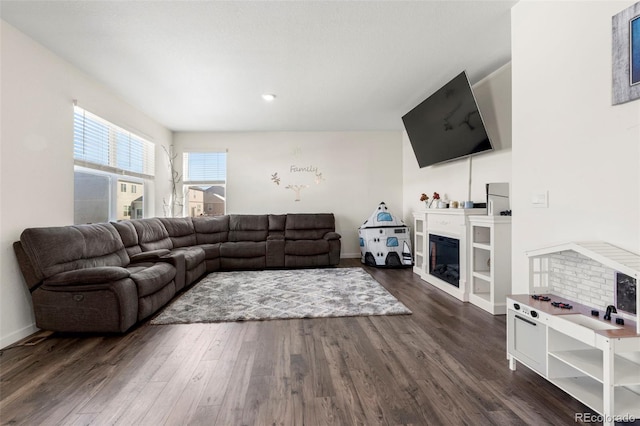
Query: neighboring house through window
[205, 182]
[108, 160]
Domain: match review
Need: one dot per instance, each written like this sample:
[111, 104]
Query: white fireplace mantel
[452, 223]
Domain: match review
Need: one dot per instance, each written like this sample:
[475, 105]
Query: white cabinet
[490, 261]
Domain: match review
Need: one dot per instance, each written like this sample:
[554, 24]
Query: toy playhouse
[385, 240]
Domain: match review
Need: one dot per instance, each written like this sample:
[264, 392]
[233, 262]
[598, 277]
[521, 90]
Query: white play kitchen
[578, 326]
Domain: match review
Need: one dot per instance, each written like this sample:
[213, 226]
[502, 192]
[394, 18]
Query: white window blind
[204, 167]
[102, 145]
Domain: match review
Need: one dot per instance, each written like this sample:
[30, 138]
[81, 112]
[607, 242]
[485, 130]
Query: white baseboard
[350, 255]
[18, 335]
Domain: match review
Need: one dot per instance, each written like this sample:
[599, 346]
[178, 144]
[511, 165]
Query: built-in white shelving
[419, 243]
[490, 260]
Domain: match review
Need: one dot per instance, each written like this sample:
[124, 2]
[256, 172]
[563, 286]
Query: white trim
[614, 257]
[18, 335]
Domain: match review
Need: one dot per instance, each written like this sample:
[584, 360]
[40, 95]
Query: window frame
[188, 181]
[84, 146]
[114, 189]
[113, 137]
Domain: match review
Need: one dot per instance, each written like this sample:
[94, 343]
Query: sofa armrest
[97, 275]
[332, 236]
[278, 237]
[146, 256]
[177, 259]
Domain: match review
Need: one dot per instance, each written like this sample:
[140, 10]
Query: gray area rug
[298, 293]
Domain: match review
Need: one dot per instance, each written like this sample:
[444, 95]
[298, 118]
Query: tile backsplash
[582, 279]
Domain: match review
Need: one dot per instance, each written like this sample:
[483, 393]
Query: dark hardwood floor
[443, 365]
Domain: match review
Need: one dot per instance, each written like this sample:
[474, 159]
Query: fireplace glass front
[444, 258]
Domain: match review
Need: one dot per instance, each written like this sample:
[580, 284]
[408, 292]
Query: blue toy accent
[384, 217]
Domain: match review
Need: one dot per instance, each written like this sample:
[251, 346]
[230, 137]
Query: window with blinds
[205, 177]
[204, 167]
[111, 168]
[102, 145]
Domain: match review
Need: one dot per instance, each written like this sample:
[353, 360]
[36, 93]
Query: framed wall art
[634, 28]
[625, 296]
[626, 55]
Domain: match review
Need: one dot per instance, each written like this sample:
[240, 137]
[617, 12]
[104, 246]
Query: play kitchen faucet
[610, 309]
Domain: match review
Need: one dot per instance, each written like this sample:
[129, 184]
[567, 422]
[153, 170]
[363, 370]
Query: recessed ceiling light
[268, 97]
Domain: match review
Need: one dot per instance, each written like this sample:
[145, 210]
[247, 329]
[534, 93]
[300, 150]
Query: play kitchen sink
[591, 323]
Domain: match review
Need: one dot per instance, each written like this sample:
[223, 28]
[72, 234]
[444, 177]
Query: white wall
[360, 169]
[493, 95]
[36, 154]
[567, 137]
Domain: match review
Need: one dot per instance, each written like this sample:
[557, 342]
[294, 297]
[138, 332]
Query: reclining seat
[311, 240]
[129, 236]
[153, 238]
[81, 279]
[211, 232]
[247, 245]
[183, 238]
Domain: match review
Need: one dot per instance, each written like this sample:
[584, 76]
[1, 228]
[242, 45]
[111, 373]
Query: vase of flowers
[434, 199]
[425, 198]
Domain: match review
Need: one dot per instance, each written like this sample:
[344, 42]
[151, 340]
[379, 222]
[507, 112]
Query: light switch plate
[540, 199]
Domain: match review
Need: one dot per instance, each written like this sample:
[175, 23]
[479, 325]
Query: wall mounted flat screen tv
[447, 125]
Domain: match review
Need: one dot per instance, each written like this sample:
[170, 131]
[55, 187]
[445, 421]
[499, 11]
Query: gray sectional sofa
[106, 277]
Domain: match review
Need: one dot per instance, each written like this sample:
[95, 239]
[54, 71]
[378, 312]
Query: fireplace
[444, 258]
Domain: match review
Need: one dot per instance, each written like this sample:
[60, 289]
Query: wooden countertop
[626, 330]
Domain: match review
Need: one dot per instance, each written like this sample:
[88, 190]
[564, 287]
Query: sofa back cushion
[211, 229]
[129, 236]
[277, 224]
[309, 226]
[181, 231]
[248, 227]
[152, 235]
[53, 250]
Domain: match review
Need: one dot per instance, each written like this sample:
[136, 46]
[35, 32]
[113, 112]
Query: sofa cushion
[152, 235]
[211, 229]
[150, 278]
[100, 274]
[150, 256]
[244, 227]
[52, 250]
[211, 251]
[243, 249]
[193, 256]
[181, 231]
[128, 235]
[309, 226]
[306, 247]
[277, 222]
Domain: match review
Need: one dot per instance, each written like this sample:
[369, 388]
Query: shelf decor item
[434, 199]
[626, 55]
[424, 197]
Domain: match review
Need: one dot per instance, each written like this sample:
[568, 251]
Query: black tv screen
[447, 125]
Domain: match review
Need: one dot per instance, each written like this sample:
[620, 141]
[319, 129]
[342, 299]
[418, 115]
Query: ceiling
[333, 65]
